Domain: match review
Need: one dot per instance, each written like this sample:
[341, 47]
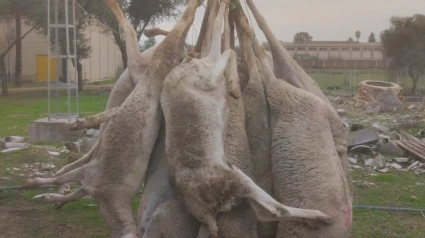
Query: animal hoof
[41, 197]
[59, 205]
[77, 125]
[29, 183]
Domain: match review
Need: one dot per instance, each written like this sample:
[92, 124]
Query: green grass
[341, 78]
[395, 189]
[21, 108]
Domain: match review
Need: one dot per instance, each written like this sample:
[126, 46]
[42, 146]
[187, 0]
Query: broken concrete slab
[362, 136]
[51, 131]
[53, 153]
[14, 139]
[396, 166]
[369, 162]
[11, 150]
[352, 160]
[401, 160]
[390, 148]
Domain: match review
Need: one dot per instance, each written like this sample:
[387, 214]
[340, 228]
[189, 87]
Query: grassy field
[22, 216]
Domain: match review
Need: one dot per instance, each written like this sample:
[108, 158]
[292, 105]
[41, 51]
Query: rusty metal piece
[413, 148]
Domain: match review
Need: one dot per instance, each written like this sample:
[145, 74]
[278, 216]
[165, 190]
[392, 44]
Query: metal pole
[91, 45]
[48, 61]
[68, 89]
[98, 63]
[107, 54]
[76, 55]
[56, 46]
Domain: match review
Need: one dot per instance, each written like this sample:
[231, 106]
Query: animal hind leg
[116, 212]
[72, 176]
[78, 163]
[155, 32]
[133, 53]
[95, 120]
[268, 209]
[62, 199]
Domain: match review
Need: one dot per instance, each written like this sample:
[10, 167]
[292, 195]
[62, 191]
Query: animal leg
[204, 232]
[96, 120]
[155, 32]
[285, 67]
[207, 41]
[233, 83]
[268, 209]
[116, 211]
[133, 53]
[72, 176]
[78, 163]
[211, 83]
[215, 49]
[196, 51]
[62, 199]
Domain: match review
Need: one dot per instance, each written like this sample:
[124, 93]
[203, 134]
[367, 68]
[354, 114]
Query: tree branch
[14, 42]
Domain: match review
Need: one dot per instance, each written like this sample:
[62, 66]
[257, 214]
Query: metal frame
[58, 86]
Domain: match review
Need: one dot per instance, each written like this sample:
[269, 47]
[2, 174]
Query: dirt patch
[26, 220]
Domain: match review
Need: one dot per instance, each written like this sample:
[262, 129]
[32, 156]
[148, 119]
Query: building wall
[104, 61]
[336, 50]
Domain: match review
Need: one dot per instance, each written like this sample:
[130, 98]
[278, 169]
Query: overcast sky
[323, 19]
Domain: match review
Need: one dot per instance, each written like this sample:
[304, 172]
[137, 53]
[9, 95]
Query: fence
[346, 80]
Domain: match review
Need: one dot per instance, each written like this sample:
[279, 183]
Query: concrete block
[55, 130]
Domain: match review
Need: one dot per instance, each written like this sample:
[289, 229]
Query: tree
[302, 37]
[404, 44]
[3, 54]
[358, 34]
[37, 18]
[141, 14]
[18, 48]
[350, 39]
[150, 12]
[372, 38]
[14, 9]
[149, 43]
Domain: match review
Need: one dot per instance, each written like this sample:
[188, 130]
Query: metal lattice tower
[67, 58]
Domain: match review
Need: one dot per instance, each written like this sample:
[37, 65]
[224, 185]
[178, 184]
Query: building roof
[327, 43]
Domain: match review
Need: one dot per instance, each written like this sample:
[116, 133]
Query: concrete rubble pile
[380, 149]
[193, 129]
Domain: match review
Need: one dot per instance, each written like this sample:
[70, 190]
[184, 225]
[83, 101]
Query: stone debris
[341, 112]
[402, 160]
[386, 101]
[53, 153]
[361, 137]
[352, 160]
[13, 143]
[396, 166]
[11, 150]
[14, 139]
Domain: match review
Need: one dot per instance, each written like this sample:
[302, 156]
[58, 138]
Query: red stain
[348, 215]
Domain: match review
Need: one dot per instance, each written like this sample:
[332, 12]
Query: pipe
[395, 209]
[22, 188]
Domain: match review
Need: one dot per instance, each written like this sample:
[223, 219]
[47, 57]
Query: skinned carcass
[195, 113]
[121, 158]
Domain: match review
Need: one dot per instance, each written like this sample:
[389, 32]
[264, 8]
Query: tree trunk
[18, 60]
[3, 76]
[80, 76]
[121, 45]
[140, 32]
[415, 78]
